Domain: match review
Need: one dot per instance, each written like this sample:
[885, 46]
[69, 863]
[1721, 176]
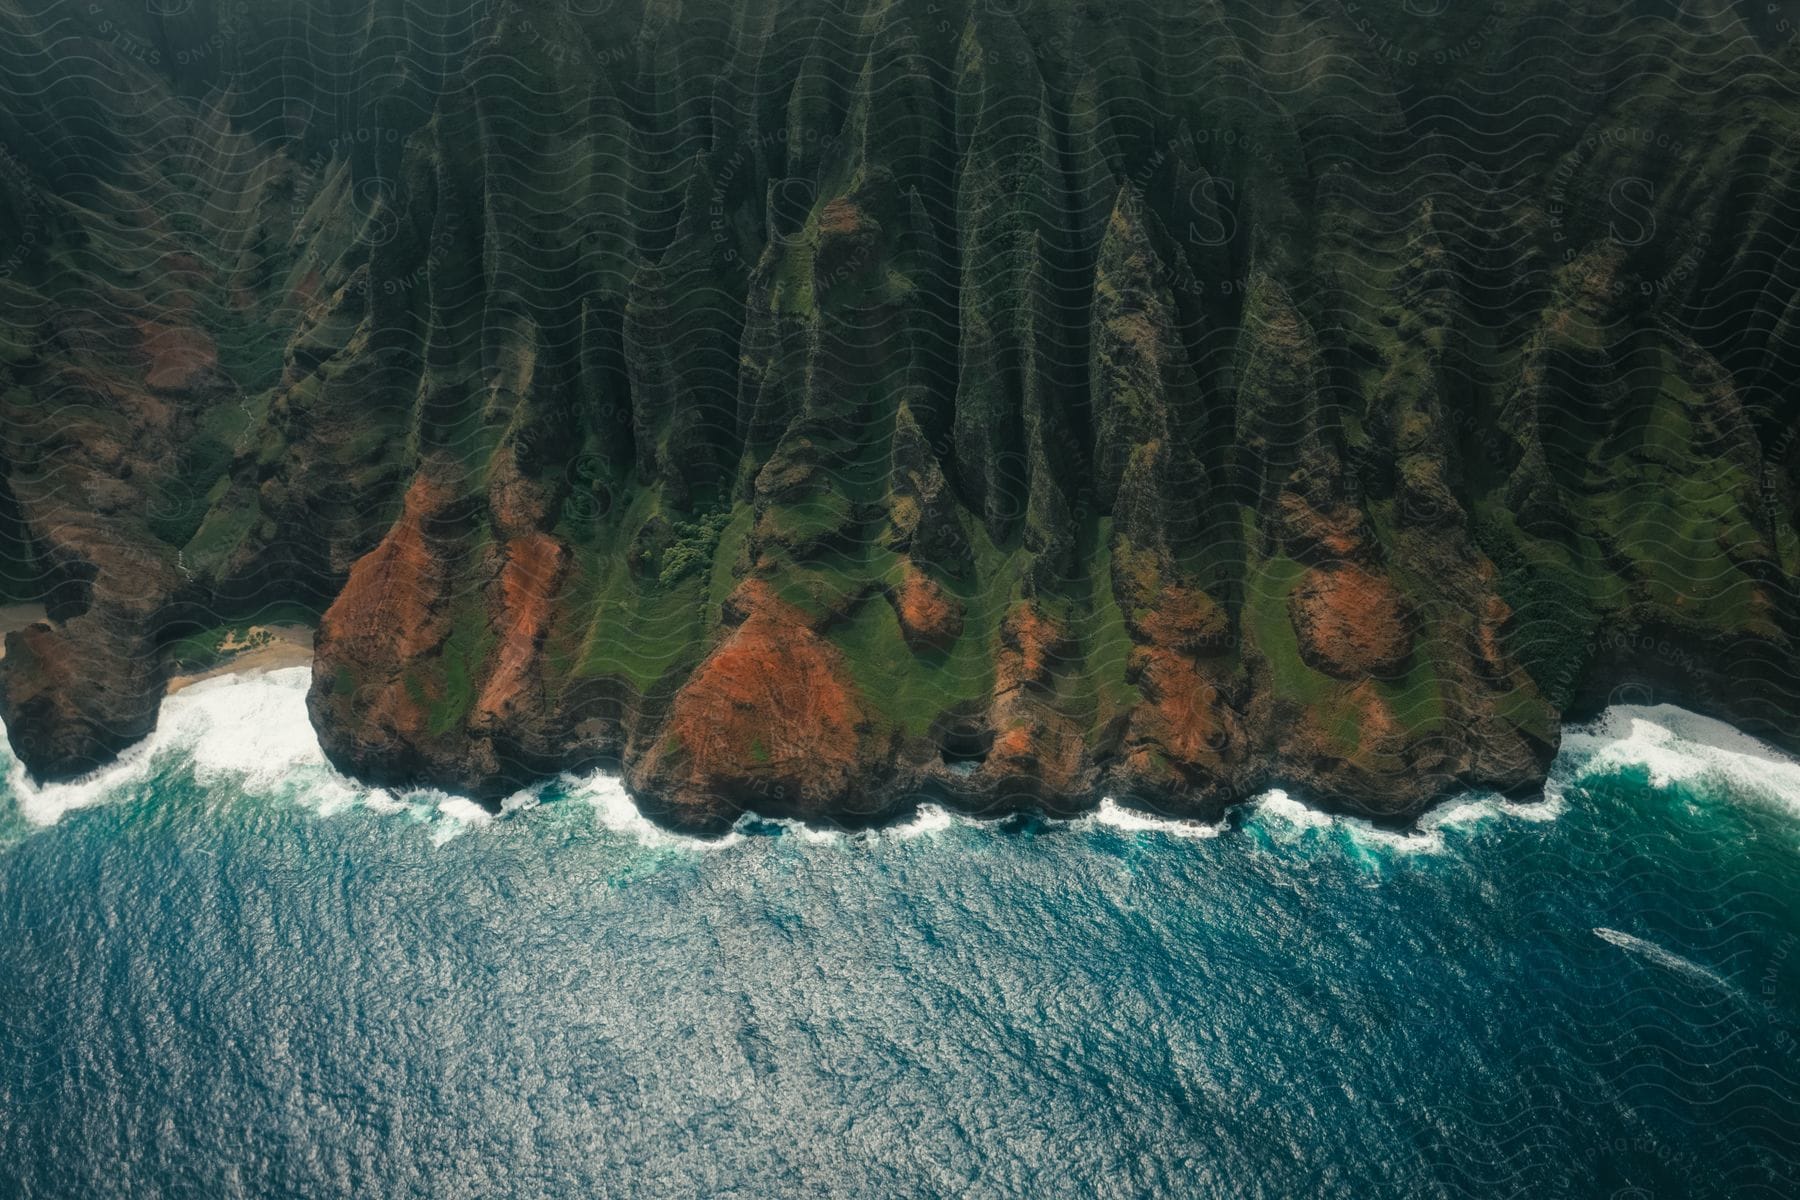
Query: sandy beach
[287, 646]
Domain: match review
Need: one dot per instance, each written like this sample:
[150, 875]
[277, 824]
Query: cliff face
[812, 404]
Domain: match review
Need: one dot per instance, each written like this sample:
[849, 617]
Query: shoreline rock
[900, 790]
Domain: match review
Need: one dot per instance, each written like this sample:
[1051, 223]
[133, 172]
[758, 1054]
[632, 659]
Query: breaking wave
[251, 731]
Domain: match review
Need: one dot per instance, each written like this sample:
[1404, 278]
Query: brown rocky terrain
[1352, 624]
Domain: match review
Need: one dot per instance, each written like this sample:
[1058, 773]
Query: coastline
[260, 649]
[287, 646]
[266, 735]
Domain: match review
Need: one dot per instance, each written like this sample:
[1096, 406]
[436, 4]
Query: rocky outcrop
[392, 617]
[1351, 624]
[770, 722]
[75, 695]
[929, 618]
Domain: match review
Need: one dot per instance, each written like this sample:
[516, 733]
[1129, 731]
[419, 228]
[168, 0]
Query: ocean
[226, 970]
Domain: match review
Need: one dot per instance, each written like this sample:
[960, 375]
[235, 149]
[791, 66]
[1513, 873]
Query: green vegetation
[1417, 698]
[913, 688]
[203, 649]
[223, 529]
[726, 552]
[1106, 642]
[1271, 630]
[632, 625]
[180, 504]
[470, 642]
[1553, 603]
[1266, 613]
[693, 548]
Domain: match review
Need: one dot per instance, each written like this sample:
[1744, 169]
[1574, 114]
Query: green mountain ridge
[815, 406]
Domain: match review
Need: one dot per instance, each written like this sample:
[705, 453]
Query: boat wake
[1653, 953]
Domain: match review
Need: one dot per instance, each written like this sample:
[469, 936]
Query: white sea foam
[252, 727]
[1116, 816]
[46, 805]
[458, 815]
[1275, 804]
[926, 819]
[251, 730]
[619, 813]
[1290, 819]
[1677, 746]
[1672, 744]
[930, 819]
[381, 800]
[817, 834]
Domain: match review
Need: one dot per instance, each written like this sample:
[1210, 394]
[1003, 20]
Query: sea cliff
[810, 406]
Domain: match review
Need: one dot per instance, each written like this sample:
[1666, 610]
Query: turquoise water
[224, 971]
